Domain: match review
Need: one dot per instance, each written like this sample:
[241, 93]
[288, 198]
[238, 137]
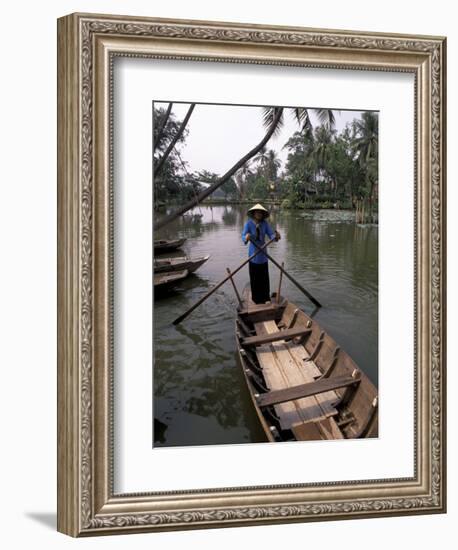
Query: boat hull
[163, 281]
[168, 246]
[178, 264]
[346, 412]
[252, 391]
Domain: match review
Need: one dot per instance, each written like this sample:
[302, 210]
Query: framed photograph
[251, 274]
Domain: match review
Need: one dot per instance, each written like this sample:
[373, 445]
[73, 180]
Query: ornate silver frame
[87, 44]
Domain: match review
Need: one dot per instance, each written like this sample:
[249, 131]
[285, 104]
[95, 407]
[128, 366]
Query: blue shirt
[264, 229]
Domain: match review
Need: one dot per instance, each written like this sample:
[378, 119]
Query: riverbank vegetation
[325, 168]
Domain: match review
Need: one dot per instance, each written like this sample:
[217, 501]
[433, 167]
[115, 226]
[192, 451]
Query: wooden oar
[299, 286]
[197, 304]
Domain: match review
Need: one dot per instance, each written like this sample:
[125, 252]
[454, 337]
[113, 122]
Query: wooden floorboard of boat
[286, 368]
[307, 431]
[280, 371]
[287, 412]
[320, 429]
[292, 414]
[305, 372]
[326, 399]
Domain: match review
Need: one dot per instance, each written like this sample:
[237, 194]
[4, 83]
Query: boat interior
[304, 386]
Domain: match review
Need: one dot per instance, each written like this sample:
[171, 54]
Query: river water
[200, 396]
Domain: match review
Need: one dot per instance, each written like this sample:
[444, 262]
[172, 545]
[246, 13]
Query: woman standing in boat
[255, 231]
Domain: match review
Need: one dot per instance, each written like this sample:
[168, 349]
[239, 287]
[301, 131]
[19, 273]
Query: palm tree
[273, 164]
[241, 179]
[326, 117]
[261, 157]
[323, 145]
[273, 121]
[163, 118]
[269, 162]
[366, 144]
[272, 128]
[160, 162]
[366, 149]
[322, 151]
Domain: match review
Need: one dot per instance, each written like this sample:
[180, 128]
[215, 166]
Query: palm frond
[268, 116]
[302, 117]
[326, 117]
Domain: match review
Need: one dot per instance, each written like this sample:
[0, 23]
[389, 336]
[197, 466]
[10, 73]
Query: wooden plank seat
[305, 390]
[252, 307]
[283, 365]
[306, 369]
[277, 369]
[262, 339]
[297, 388]
[262, 312]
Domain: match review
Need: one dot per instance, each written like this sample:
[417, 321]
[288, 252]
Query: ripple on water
[200, 393]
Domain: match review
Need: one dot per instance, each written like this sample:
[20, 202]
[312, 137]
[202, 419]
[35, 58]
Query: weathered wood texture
[274, 336]
[305, 390]
[282, 369]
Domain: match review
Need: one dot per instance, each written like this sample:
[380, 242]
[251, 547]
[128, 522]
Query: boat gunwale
[363, 378]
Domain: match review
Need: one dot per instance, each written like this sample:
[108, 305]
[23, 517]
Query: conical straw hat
[258, 207]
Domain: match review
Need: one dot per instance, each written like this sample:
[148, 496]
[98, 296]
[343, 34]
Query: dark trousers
[259, 281]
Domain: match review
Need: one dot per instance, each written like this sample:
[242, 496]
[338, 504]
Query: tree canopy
[323, 168]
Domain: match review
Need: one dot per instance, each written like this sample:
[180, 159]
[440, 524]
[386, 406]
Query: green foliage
[229, 189]
[324, 168]
[259, 188]
[173, 184]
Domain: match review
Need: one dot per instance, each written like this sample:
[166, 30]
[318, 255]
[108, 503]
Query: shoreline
[223, 202]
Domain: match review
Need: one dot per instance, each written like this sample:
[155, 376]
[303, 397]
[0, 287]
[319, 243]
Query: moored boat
[302, 384]
[179, 263]
[168, 279]
[167, 245]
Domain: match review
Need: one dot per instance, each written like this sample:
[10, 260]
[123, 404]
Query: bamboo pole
[234, 287]
[279, 283]
[292, 279]
[215, 288]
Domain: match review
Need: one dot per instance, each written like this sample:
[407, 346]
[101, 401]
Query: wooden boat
[303, 385]
[167, 245]
[178, 264]
[167, 280]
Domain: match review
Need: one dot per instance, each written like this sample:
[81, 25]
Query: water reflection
[199, 390]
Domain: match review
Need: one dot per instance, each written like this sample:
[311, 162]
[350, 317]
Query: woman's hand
[247, 237]
[277, 236]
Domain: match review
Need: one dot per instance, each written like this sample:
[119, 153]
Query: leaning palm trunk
[160, 131]
[201, 196]
[161, 161]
